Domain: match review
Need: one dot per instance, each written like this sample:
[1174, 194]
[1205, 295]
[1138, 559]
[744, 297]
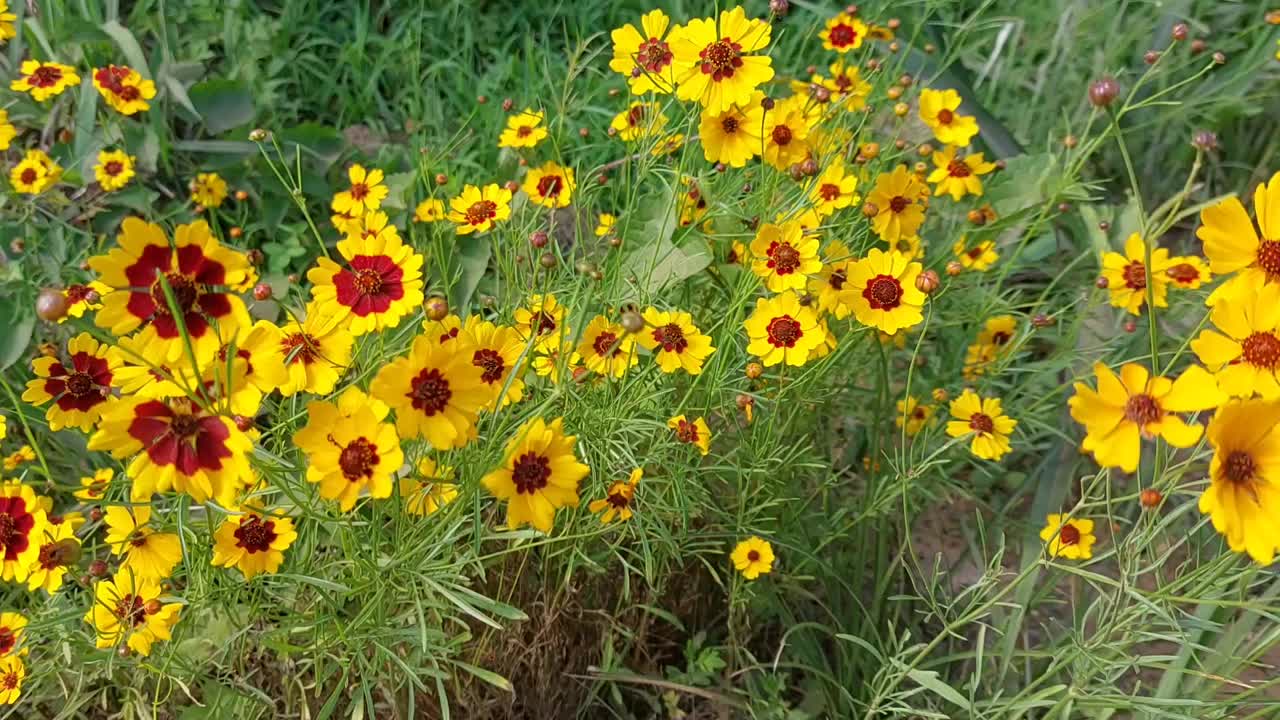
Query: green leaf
[224, 104]
[85, 137]
[128, 45]
[657, 262]
[16, 326]
[323, 143]
[488, 676]
[179, 93]
[929, 680]
[474, 256]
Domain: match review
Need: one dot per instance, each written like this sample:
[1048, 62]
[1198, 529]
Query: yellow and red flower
[365, 193]
[208, 190]
[12, 628]
[940, 110]
[1233, 245]
[496, 350]
[607, 348]
[843, 33]
[539, 474]
[896, 199]
[433, 487]
[675, 340]
[253, 541]
[124, 88]
[786, 133]
[694, 432]
[639, 121]
[1245, 355]
[21, 510]
[350, 448]
[980, 257]
[753, 557]
[35, 173]
[255, 370]
[378, 286]
[52, 550]
[550, 186]
[477, 210]
[12, 669]
[784, 256]
[317, 351]
[958, 176]
[1188, 272]
[129, 610]
[83, 297]
[114, 169]
[714, 64]
[44, 80]
[732, 136]
[1127, 275]
[436, 391]
[882, 291]
[833, 190]
[1070, 538]
[79, 388]
[643, 55]
[781, 329]
[617, 502]
[524, 130]
[1243, 497]
[984, 420]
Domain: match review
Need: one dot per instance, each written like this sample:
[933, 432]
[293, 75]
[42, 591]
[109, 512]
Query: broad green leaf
[179, 93]
[224, 104]
[128, 45]
[930, 681]
[86, 139]
[323, 143]
[16, 325]
[473, 253]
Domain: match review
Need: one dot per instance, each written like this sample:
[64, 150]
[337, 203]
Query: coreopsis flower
[694, 432]
[643, 55]
[1188, 272]
[21, 510]
[8, 30]
[18, 458]
[786, 132]
[1233, 245]
[1070, 538]
[365, 193]
[539, 474]
[829, 284]
[349, 447]
[784, 257]
[1127, 275]
[543, 318]
[378, 285]
[51, 550]
[833, 190]
[83, 297]
[256, 366]
[44, 80]
[93, 488]
[714, 64]
[1245, 355]
[980, 257]
[1125, 409]
[140, 376]
[496, 350]
[435, 390]
[985, 421]
[550, 186]
[1243, 497]
[253, 541]
[477, 210]
[7, 131]
[35, 173]
[675, 340]
[605, 224]
[780, 329]
[913, 415]
[79, 388]
[843, 33]
[124, 89]
[998, 331]
[667, 144]
[199, 272]
[692, 203]
[847, 86]
[431, 488]
[882, 291]
[148, 554]
[607, 348]
[447, 328]
[940, 110]
[732, 136]
[753, 557]
[896, 198]
[639, 121]
[524, 129]
[12, 669]
[128, 609]
[176, 445]
[316, 351]
[12, 628]
[429, 211]
[208, 189]
[910, 247]
[551, 362]
[347, 223]
[617, 501]
[114, 169]
[958, 176]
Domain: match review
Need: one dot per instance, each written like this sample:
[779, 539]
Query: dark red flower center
[635, 115]
[958, 169]
[686, 432]
[544, 322]
[7, 640]
[255, 535]
[1135, 275]
[491, 363]
[784, 331]
[1239, 467]
[185, 293]
[783, 258]
[671, 338]
[1142, 409]
[481, 212]
[524, 131]
[359, 191]
[618, 500]
[606, 344]
[982, 423]
[753, 556]
[837, 279]
[531, 472]
[898, 203]
[358, 459]
[721, 59]
[299, 347]
[842, 35]
[1183, 273]
[1069, 535]
[653, 55]
[1000, 338]
[829, 191]
[112, 77]
[549, 186]
[1269, 257]
[430, 391]
[45, 76]
[78, 293]
[1262, 349]
[79, 384]
[129, 93]
[781, 135]
[883, 292]
[945, 116]
[131, 610]
[368, 281]
[729, 124]
[29, 175]
[113, 168]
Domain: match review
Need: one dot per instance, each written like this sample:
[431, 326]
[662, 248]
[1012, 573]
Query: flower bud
[441, 179]
[547, 260]
[1150, 498]
[767, 103]
[507, 104]
[1219, 58]
[1070, 141]
[1102, 283]
[779, 8]
[869, 210]
[940, 395]
[437, 307]
[954, 268]
[870, 150]
[584, 132]
[809, 166]
[821, 94]
[255, 256]
[51, 305]
[1042, 321]
[511, 186]
[244, 423]
[1131, 327]
[1179, 32]
[241, 195]
[1104, 226]
[152, 607]
[1150, 57]
[482, 99]
[615, 241]
[977, 217]
[262, 291]
[258, 135]
[927, 282]
[925, 150]
[754, 370]
[1104, 92]
[98, 569]
[1204, 141]
[901, 109]
[632, 322]
[236, 232]
[893, 93]
[538, 239]
[95, 514]
[1198, 46]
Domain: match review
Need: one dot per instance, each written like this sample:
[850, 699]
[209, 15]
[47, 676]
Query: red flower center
[368, 281]
[829, 191]
[982, 423]
[359, 191]
[1183, 273]
[113, 168]
[45, 76]
[79, 384]
[945, 116]
[358, 459]
[618, 500]
[255, 534]
[842, 35]
[1142, 409]
[131, 611]
[1000, 338]
[1069, 535]
[635, 115]
[837, 279]
[112, 77]
[7, 640]
[1262, 349]
[784, 331]
[184, 426]
[185, 293]
[753, 556]
[524, 131]
[898, 203]
[606, 344]
[430, 391]
[729, 125]
[1239, 467]
[1135, 275]
[29, 176]
[721, 59]
[783, 258]
[549, 186]
[481, 212]
[15, 525]
[299, 347]
[78, 293]
[1269, 257]
[491, 363]
[671, 338]
[531, 472]
[129, 93]
[883, 292]
[958, 169]
[686, 432]
[545, 323]
[781, 135]
[653, 55]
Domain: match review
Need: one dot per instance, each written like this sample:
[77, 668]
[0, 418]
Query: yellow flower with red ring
[617, 501]
[477, 210]
[896, 199]
[1243, 497]
[433, 487]
[732, 135]
[79, 388]
[365, 193]
[380, 283]
[1127, 275]
[93, 488]
[675, 340]
[829, 284]
[784, 256]
[1070, 538]
[783, 330]
[1245, 355]
[496, 350]
[958, 176]
[753, 557]
[114, 169]
[436, 392]
[82, 297]
[316, 351]
[539, 474]
[21, 511]
[52, 550]
[984, 420]
[882, 291]
[550, 186]
[253, 541]
[786, 132]
[1233, 245]
[843, 33]
[428, 211]
[44, 80]
[607, 348]
[980, 257]
[1188, 272]
[35, 173]
[714, 62]
[256, 366]
[124, 88]
[12, 669]
[643, 55]
[129, 610]
[694, 432]
[524, 130]
[350, 448]
[913, 415]
[12, 628]
[940, 110]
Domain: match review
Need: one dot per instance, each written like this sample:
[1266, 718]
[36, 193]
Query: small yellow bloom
[618, 500]
[550, 186]
[692, 432]
[253, 541]
[538, 475]
[782, 330]
[477, 210]
[148, 554]
[605, 224]
[44, 80]
[896, 198]
[607, 348]
[429, 211]
[834, 189]
[94, 487]
[51, 551]
[124, 89]
[433, 487]
[786, 132]
[958, 176]
[129, 609]
[7, 131]
[1127, 275]
[882, 291]
[12, 669]
[1072, 539]
[1243, 497]
[639, 121]
[35, 173]
[1233, 245]
[984, 419]
[350, 447]
[715, 62]
[365, 194]
[980, 257]
[753, 557]
[733, 136]
[114, 169]
[913, 416]
[643, 56]
[843, 33]
[676, 341]
[524, 130]
[1245, 355]
[784, 256]
[940, 110]
[209, 190]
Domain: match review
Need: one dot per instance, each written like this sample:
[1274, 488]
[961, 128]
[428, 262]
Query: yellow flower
[124, 89]
[209, 190]
[1125, 409]
[667, 144]
[786, 131]
[349, 448]
[607, 348]
[958, 176]
[833, 190]
[7, 131]
[830, 282]
[538, 475]
[429, 211]
[847, 85]
[496, 350]
[618, 500]
[114, 169]
[998, 331]
[253, 541]
[434, 488]
[52, 549]
[524, 130]
[939, 109]
[1234, 246]
[21, 510]
[882, 291]
[544, 317]
[379, 284]
[784, 256]
[643, 56]
[843, 33]
[12, 628]
[44, 80]
[78, 389]
[896, 199]
[316, 352]
[913, 416]
[19, 457]
[980, 257]
[985, 421]
[366, 192]
[1243, 497]
[255, 369]
[912, 247]
[1127, 275]
[692, 432]
[692, 202]
[1245, 356]
[12, 669]
[7, 31]
[1188, 272]
[1072, 539]
[549, 362]
[605, 224]
[477, 210]
[753, 557]
[148, 554]
[93, 488]
[130, 610]
[677, 342]
[639, 121]
[35, 173]
[713, 61]
[550, 186]
[435, 390]
[732, 136]
[782, 330]
[347, 223]
[83, 297]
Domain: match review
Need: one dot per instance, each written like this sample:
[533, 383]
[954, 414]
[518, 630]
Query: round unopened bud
[870, 210]
[1219, 58]
[257, 135]
[51, 305]
[538, 239]
[614, 92]
[1104, 92]
[1102, 283]
[547, 260]
[894, 23]
[810, 69]
[901, 109]
[255, 256]
[895, 47]
[198, 209]
[511, 186]
[954, 268]
[924, 150]
[795, 172]
[507, 104]
[1198, 46]
[767, 103]
[809, 167]
[291, 278]
[927, 282]
[977, 217]
[1104, 226]
[98, 568]
[437, 307]
[1179, 32]
[1150, 498]
[615, 241]
[920, 168]
[262, 291]
[900, 144]
[442, 179]
[743, 401]
[1001, 165]
[489, 301]
[893, 93]
[754, 370]
[482, 99]
[1064, 207]
[1042, 321]
[1205, 140]
[1070, 141]
[1131, 327]
[244, 423]
[873, 65]
[1273, 17]
[1150, 57]
[930, 48]
[241, 195]
[870, 150]
[721, 167]
[632, 322]
[95, 514]
[523, 162]
[637, 71]
[236, 232]
[779, 8]
[602, 179]
[821, 94]
[152, 607]
[941, 395]
[18, 246]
